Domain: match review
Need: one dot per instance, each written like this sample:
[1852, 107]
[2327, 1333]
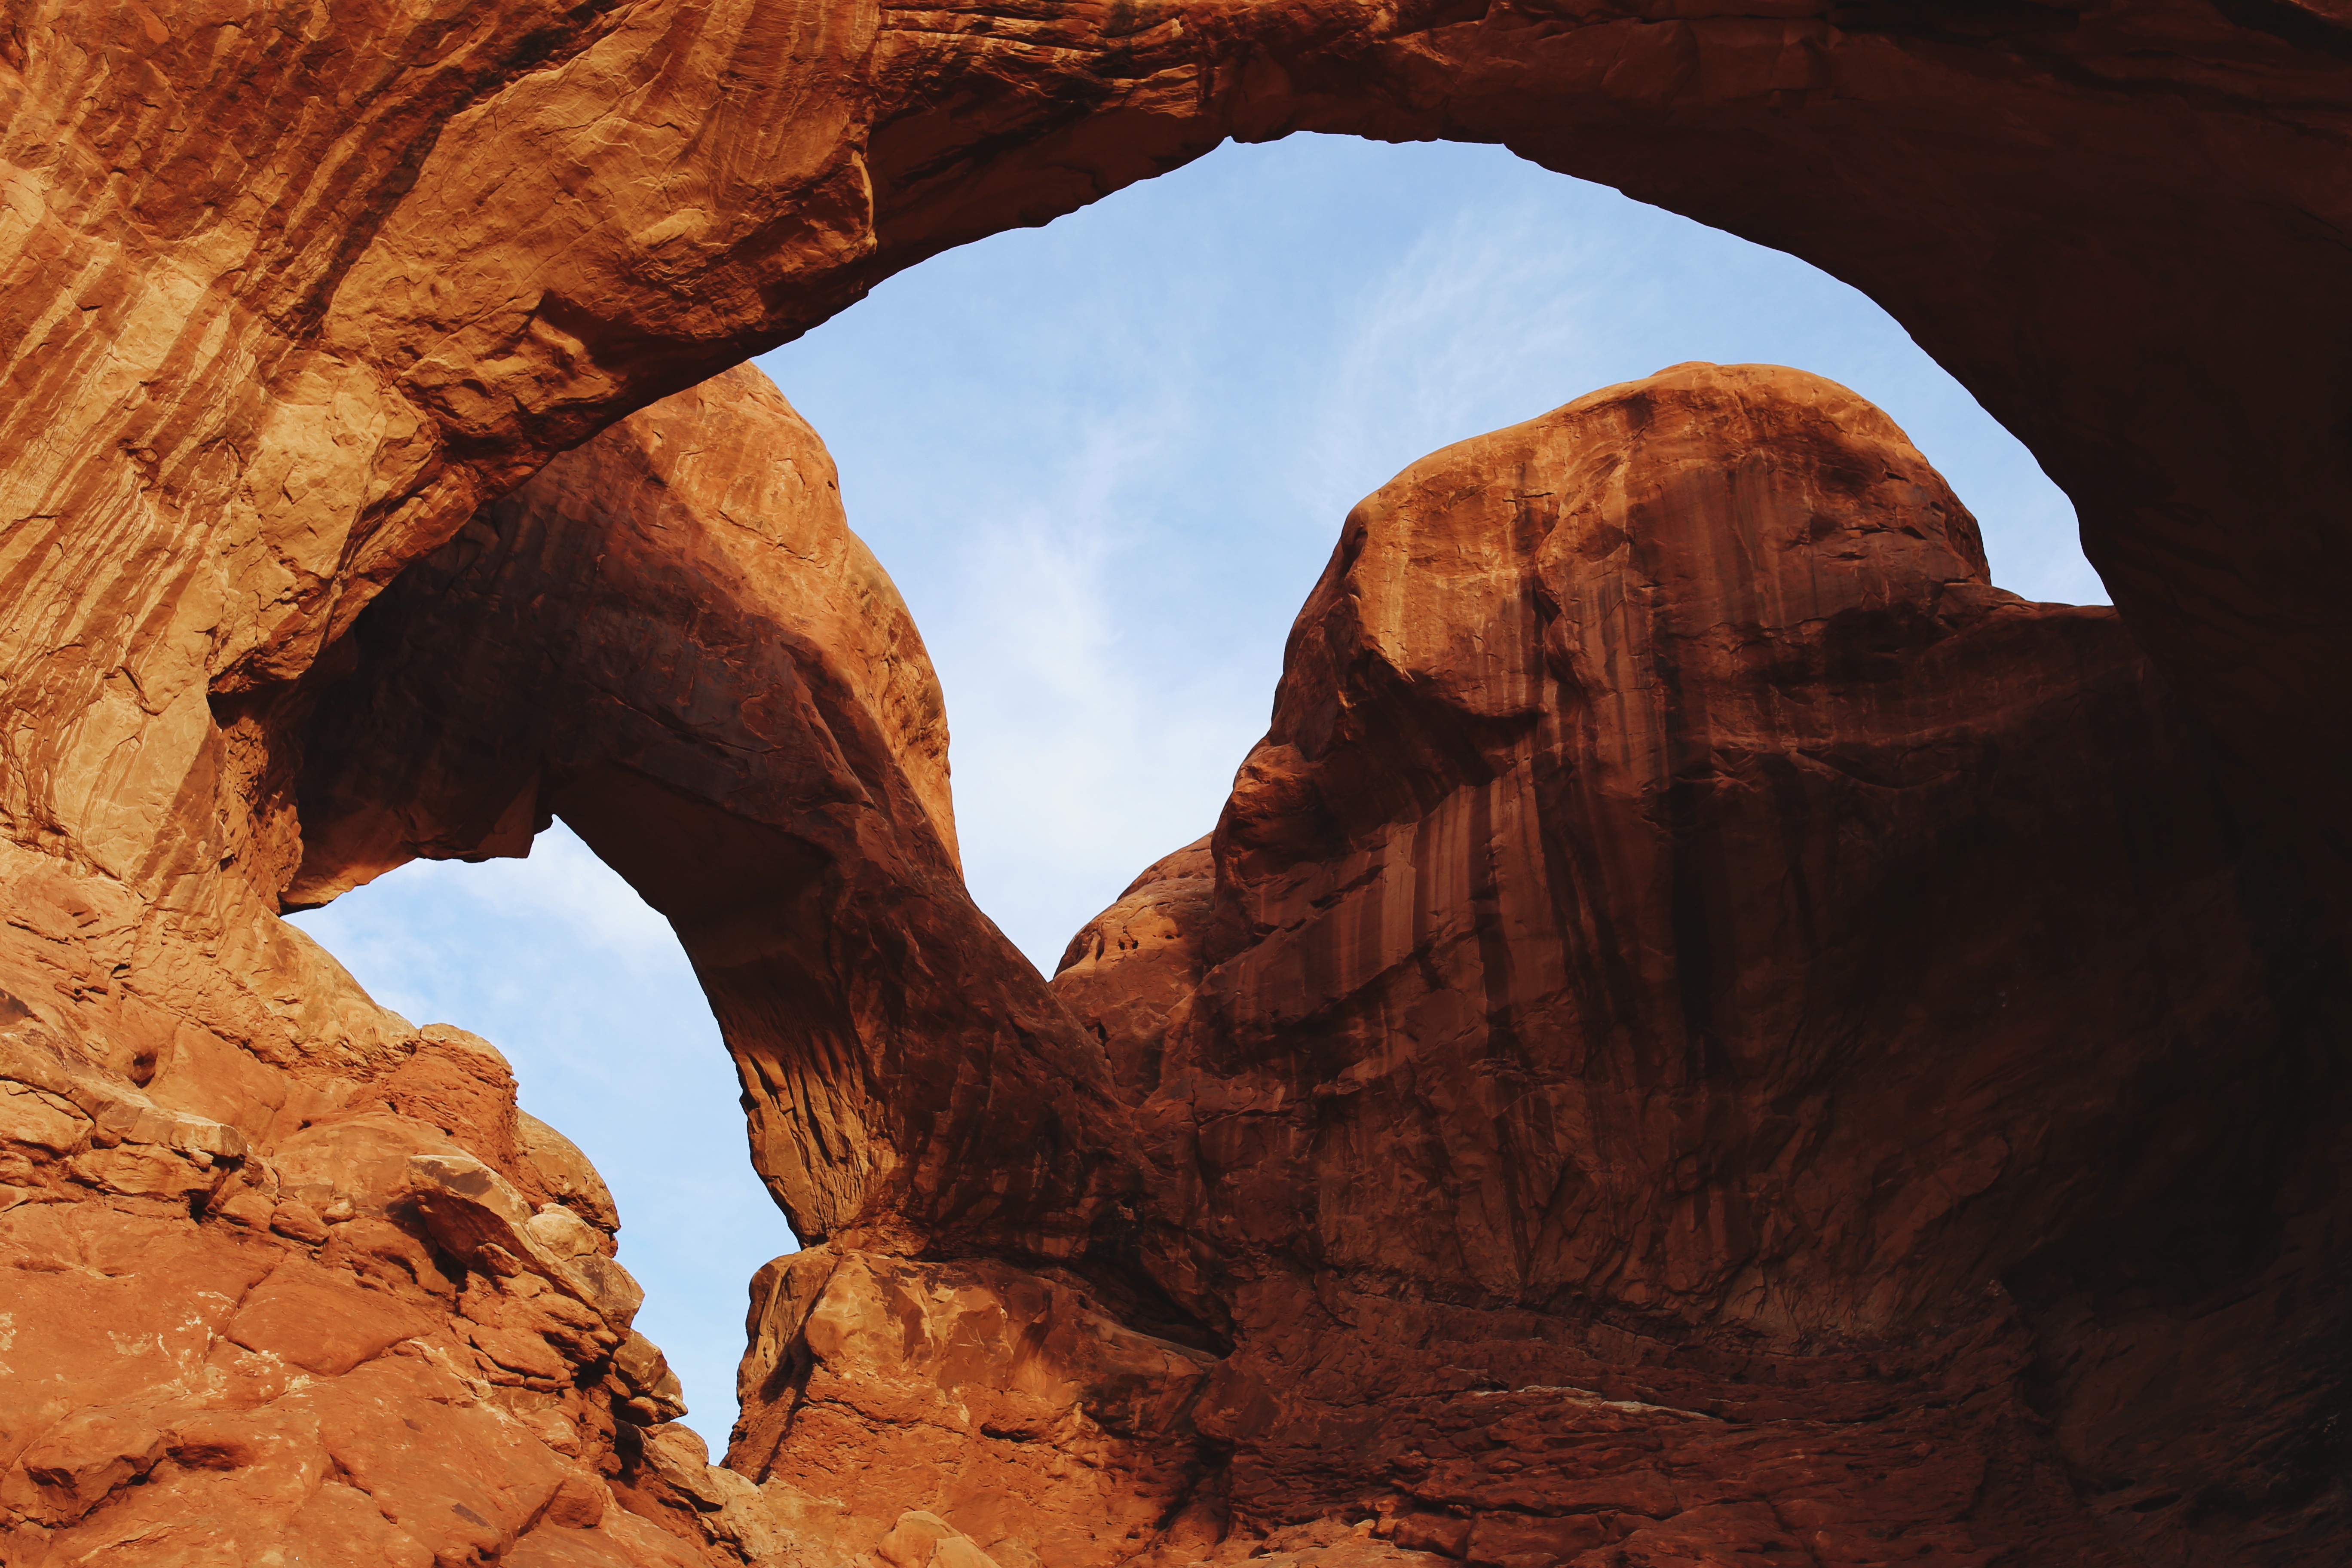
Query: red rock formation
[287, 298]
[282, 305]
[373, 1320]
[1009, 1404]
[1705, 1029]
[671, 638]
[384, 1314]
[1716, 1031]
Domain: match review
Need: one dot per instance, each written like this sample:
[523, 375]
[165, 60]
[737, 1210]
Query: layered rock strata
[1705, 1028]
[1704, 1033]
[292, 1280]
[295, 299]
[287, 294]
[361, 1318]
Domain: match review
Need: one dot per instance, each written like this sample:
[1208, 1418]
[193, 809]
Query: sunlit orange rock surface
[1705, 1034]
[1707, 1031]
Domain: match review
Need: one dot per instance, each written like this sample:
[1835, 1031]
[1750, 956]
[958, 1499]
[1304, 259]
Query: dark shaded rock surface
[1701, 952]
[1714, 1029]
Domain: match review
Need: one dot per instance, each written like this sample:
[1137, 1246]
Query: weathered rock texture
[671, 638]
[1706, 1026]
[1706, 1033]
[365, 1316]
[288, 291]
[291, 1280]
[1914, 887]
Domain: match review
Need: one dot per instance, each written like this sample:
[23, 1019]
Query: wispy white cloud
[565, 888]
[1477, 323]
[1077, 742]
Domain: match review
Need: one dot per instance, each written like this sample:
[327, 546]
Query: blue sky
[1105, 461]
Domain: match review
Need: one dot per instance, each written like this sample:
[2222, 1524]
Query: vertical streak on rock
[1725, 1192]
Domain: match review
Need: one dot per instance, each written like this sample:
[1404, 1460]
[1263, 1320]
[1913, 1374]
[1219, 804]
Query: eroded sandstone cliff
[290, 291]
[1705, 1034]
[1705, 1031]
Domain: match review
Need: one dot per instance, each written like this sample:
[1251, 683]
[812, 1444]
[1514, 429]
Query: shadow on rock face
[1705, 1032]
[1699, 984]
[671, 638]
[1710, 1035]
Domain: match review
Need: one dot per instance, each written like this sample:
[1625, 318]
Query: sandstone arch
[671, 638]
[1602, 976]
[293, 295]
[374, 273]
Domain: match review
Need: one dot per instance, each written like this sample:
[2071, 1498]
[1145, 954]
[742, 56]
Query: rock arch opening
[1103, 459]
[261, 372]
[1446, 295]
[584, 988]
